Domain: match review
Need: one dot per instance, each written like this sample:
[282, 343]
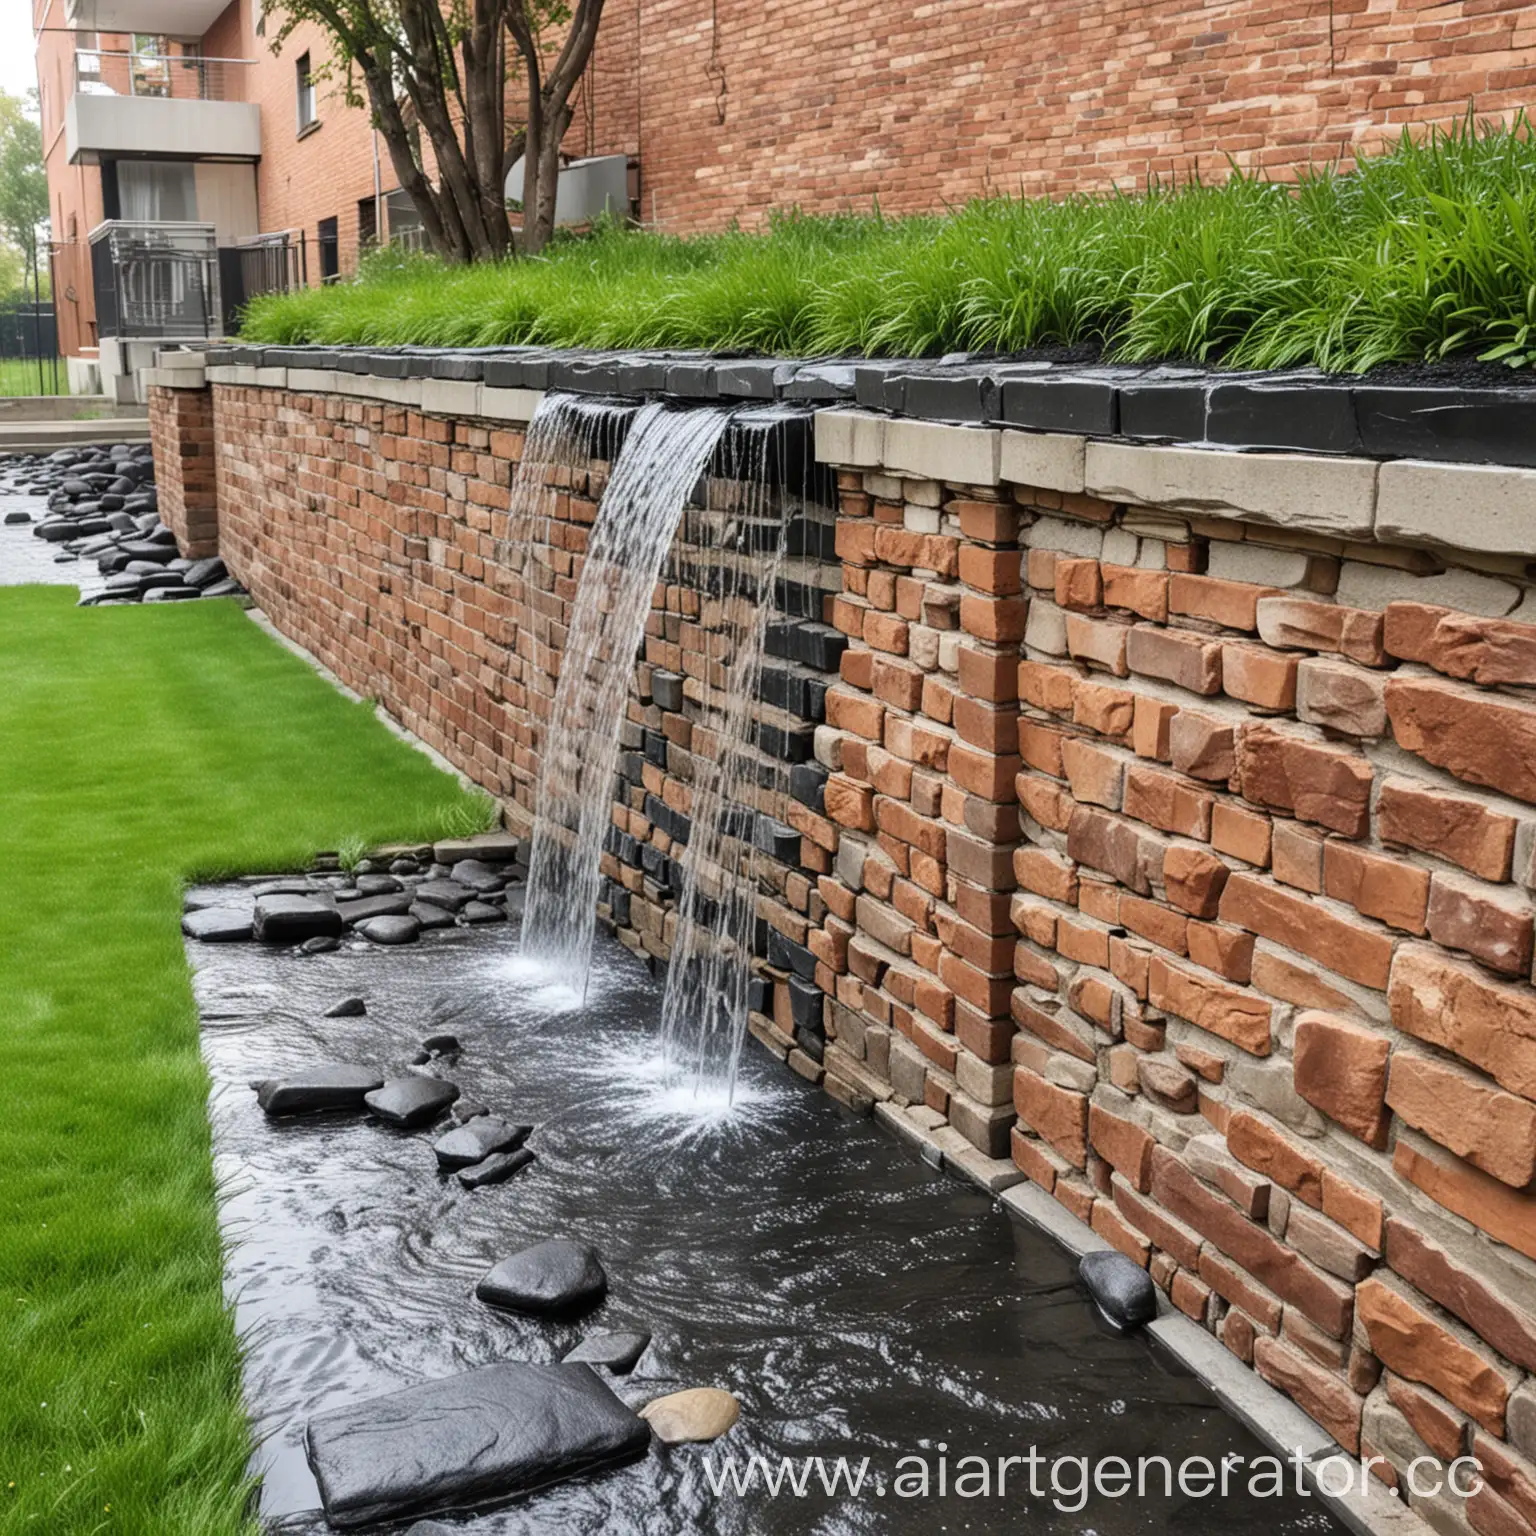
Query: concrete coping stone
[174, 378]
[1299, 410]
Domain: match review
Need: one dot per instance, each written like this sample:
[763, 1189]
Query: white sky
[18, 71]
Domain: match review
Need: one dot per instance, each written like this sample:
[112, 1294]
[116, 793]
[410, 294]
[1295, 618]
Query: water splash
[664, 454]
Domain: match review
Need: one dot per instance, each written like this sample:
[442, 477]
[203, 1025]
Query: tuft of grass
[1424, 250]
[142, 749]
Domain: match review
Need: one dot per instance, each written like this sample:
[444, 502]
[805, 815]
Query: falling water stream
[664, 454]
[704, 1011]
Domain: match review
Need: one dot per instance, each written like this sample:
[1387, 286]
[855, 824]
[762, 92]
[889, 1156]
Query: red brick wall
[830, 105]
[1155, 864]
[1259, 950]
[181, 431]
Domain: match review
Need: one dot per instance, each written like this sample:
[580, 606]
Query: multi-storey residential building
[173, 125]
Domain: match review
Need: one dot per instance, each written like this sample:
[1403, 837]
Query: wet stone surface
[855, 1302]
[93, 512]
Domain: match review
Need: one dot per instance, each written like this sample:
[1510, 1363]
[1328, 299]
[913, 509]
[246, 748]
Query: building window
[304, 87]
[327, 238]
[367, 223]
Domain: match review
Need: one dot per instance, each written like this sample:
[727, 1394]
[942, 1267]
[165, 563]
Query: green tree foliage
[23, 188]
[434, 74]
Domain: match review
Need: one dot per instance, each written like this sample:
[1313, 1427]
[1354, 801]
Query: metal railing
[159, 280]
[175, 74]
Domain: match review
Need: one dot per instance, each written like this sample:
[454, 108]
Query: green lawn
[141, 748]
[1422, 251]
[19, 376]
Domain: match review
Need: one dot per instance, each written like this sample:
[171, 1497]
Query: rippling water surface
[858, 1303]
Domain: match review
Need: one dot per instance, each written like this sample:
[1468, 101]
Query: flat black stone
[1165, 408]
[431, 917]
[754, 378]
[496, 1169]
[619, 1352]
[378, 885]
[1053, 403]
[441, 1043]
[467, 1441]
[482, 912]
[218, 925]
[476, 1140]
[321, 945]
[347, 1008]
[303, 1093]
[479, 877]
[1121, 1288]
[550, 1279]
[285, 919]
[1478, 426]
[390, 928]
[448, 894]
[412, 1101]
[1303, 415]
[821, 381]
[364, 907]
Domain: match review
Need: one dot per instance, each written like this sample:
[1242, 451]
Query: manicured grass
[20, 376]
[142, 748]
[1426, 250]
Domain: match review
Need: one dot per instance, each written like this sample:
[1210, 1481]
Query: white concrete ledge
[449, 397]
[1285, 490]
[1485, 507]
[933, 450]
[439, 397]
[850, 439]
[1051, 460]
[172, 378]
[509, 404]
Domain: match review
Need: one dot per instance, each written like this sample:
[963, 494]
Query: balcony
[172, 102]
[157, 281]
[168, 18]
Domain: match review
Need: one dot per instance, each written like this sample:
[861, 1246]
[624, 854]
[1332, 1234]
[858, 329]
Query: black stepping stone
[287, 919]
[396, 928]
[218, 925]
[412, 1101]
[619, 1352]
[496, 1169]
[466, 1441]
[448, 894]
[549, 1279]
[336, 1087]
[477, 1140]
[347, 1008]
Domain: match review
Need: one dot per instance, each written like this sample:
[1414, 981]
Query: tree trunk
[549, 111]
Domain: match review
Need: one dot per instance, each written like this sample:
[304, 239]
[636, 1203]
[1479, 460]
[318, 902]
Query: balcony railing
[156, 280]
[172, 75]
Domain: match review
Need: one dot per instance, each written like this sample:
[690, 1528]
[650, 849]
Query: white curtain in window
[157, 191]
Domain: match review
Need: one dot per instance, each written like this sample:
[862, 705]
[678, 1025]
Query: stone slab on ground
[466, 1441]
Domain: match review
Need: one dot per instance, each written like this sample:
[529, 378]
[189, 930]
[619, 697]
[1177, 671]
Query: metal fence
[156, 280]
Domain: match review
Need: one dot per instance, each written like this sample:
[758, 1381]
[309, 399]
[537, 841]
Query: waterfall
[738, 786]
[664, 454]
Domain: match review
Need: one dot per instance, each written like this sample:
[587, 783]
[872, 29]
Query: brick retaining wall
[1157, 843]
[181, 433]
